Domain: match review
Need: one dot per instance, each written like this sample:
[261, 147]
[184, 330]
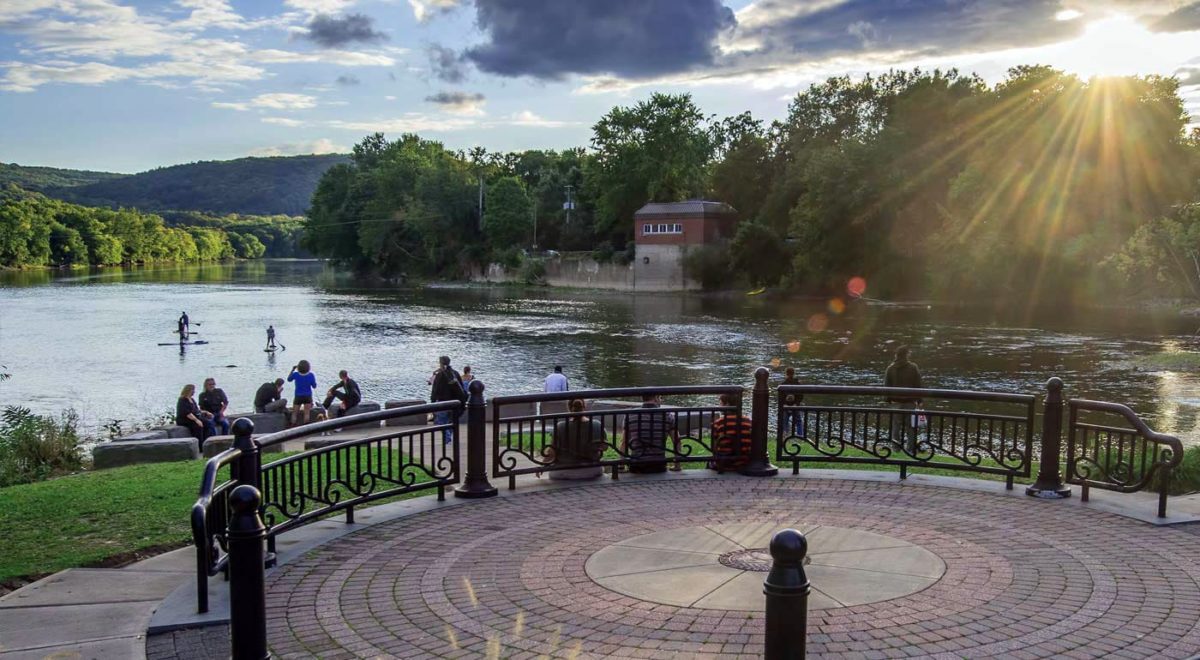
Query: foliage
[254, 186]
[508, 218]
[709, 265]
[656, 151]
[35, 447]
[38, 231]
[533, 271]
[42, 179]
[759, 253]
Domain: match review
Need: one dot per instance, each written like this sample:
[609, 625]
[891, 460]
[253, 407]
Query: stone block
[513, 410]
[174, 431]
[264, 423]
[553, 407]
[148, 434]
[133, 452]
[407, 420]
[219, 443]
[363, 407]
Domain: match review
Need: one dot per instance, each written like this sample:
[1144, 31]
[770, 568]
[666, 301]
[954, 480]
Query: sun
[1119, 45]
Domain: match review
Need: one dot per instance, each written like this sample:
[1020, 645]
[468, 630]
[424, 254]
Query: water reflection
[88, 339]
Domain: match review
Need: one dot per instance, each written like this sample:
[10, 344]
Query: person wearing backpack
[447, 386]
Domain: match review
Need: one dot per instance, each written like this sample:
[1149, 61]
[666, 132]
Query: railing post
[759, 464]
[247, 577]
[1049, 484]
[476, 484]
[248, 467]
[787, 588]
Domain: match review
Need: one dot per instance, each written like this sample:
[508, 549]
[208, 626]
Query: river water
[90, 341]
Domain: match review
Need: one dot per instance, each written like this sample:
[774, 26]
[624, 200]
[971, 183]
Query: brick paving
[505, 578]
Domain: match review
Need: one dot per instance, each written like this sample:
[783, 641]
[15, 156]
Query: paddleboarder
[270, 337]
[185, 327]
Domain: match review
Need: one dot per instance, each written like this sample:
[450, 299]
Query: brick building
[664, 232]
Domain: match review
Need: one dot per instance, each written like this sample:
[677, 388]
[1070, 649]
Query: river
[91, 340]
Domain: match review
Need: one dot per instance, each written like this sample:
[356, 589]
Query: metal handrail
[353, 420]
[908, 393]
[678, 390]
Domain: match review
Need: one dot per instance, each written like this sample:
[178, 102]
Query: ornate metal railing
[984, 432]
[1126, 459]
[323, 481]
[535, 433]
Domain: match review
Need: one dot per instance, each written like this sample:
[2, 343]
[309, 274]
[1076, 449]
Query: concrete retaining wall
[664, 272]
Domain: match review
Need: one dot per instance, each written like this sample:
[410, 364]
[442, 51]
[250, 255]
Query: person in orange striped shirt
[730, 437]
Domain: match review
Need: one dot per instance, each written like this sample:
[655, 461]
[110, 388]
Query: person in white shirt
[557, 382]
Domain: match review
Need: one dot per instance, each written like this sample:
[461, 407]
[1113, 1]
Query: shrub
[603, 253]
[35, 447]
[709, 265]
[533, 271]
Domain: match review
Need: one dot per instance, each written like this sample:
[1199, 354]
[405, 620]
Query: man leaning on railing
[905, 374]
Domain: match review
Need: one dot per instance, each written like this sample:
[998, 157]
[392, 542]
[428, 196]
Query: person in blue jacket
[305, 382]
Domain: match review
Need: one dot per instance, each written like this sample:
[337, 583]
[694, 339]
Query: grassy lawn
[102, 517]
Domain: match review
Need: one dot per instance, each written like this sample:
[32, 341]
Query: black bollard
[248, 467]
[1049, 484]
[476, 484]
[787, 591]
[759, 464]
[247, 577]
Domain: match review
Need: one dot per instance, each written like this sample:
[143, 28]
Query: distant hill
[45, 178]
[248, 186]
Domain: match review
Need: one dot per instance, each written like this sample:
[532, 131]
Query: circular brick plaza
[509, 577]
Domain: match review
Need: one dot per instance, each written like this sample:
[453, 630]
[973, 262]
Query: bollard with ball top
[247, 577]
[787, 588]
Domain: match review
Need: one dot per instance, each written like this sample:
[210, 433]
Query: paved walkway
[507, 577]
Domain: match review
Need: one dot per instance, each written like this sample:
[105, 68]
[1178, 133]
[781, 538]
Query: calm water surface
[90, 341]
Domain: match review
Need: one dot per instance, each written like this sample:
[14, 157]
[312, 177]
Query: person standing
[185, 326]
[268, 398]
[905, 374]
[214, 402]
[270, 337]
[795, 419]
[557, 382]
[349, 395]
[467, 376]
[447, 385]
[302, 399]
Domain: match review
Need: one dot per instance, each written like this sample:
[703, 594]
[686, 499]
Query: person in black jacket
[349, 395]
[447, 386]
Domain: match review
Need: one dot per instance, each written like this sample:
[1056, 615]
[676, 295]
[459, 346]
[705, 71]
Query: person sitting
[189, 415]
[214, 402]
[577, 441]
[349, 396]
[731, 437]
[269, 397]
[645, 437]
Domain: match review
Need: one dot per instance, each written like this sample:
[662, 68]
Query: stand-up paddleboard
[183, 343]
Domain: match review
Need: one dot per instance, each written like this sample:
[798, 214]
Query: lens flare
[793, 346]
[856, 286]
[775, 362]
[836, 306]
[817, 322]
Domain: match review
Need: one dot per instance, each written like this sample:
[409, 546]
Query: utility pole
[570, 204]
[535, 227]
[481, 202]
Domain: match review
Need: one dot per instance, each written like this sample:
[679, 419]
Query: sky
[128, 85]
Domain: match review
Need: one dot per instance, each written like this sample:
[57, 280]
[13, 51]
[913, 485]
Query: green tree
[508, 215]
[67, 247]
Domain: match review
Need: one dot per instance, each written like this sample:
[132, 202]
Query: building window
[678, 229]
[646, 230]
[650, 230]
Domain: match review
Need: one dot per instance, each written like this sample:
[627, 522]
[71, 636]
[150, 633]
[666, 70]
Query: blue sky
[126, 86]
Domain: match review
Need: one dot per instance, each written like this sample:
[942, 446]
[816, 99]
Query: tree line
[1042, 186]
[38, 231]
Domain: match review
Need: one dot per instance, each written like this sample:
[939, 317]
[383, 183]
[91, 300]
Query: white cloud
[528, 118]
[426, 9]
[282, 121]
[340, 57]
[274, 101]
[320, 146]
[320, 6]
[411, 122]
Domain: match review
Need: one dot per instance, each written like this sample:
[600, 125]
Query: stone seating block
[148, 434]
[174, 431]
[219, 443]
[264, 423]
[363, 407]
[407, 420]
[554, 407]
[133, 452]
[513, 410]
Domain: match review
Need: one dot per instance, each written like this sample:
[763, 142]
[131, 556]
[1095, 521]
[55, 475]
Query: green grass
[101, 517]
[1178, 361]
